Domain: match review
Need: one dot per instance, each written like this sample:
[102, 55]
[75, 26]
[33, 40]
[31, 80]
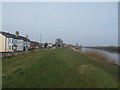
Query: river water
[113, 55]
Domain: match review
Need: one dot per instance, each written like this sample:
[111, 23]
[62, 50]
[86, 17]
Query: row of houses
[15, 42]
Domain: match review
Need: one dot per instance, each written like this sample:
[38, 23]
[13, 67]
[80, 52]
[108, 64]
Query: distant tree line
[109, 48]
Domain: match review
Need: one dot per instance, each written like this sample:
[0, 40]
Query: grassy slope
[57, 68]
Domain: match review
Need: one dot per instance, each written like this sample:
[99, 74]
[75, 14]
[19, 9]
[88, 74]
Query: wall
[4, 47]
[11, 54]
[2, 43]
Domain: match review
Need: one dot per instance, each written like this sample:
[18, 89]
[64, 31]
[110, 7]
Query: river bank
[96, 55]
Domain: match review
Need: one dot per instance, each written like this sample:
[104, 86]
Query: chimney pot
[17, 33]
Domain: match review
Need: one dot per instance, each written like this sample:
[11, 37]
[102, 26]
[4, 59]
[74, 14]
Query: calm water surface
[113, 55]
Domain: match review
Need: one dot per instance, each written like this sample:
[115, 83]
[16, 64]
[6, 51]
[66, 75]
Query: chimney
[17, 33]
[27, 36]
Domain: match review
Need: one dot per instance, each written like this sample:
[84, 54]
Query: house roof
[8, 35]
[34, 42]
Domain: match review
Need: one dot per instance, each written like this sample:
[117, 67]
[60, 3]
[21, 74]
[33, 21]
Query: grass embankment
[58, 68]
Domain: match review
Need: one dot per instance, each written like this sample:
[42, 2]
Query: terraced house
[11, 43]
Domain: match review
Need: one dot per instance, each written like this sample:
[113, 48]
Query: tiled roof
[8, 35]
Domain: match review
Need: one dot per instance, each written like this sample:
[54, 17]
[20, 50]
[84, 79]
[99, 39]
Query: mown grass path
[58, 68]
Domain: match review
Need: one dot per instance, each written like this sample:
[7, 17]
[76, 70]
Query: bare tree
[59, 42]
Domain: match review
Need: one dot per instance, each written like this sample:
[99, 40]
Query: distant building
[10, 42]
[46, 45]
[42, 45]
[50, 45]
[34, 45]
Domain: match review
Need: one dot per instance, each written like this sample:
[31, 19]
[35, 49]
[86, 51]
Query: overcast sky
[89, 24]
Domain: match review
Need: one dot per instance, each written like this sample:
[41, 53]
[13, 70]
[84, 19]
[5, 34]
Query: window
[9, 46]
[9, 40]
[15, 40]
[12, 47]
[12, 40]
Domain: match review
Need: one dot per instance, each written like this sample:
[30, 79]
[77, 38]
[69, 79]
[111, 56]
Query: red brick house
[34, 45]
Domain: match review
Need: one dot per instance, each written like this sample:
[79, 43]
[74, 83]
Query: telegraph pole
[40, 40]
